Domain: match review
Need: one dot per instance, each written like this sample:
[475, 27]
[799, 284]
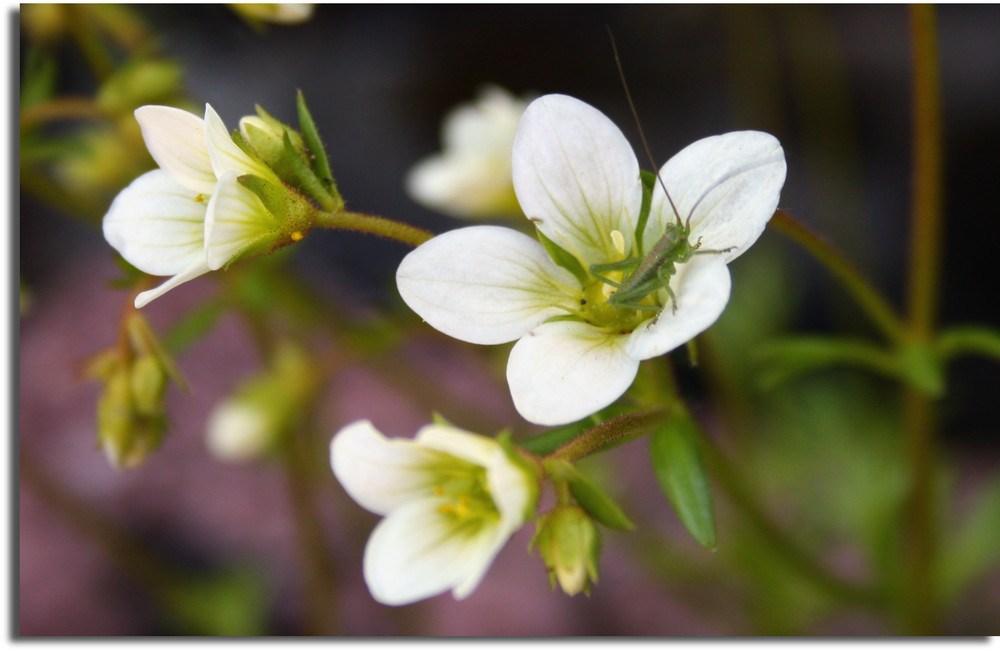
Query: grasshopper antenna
[635, 116]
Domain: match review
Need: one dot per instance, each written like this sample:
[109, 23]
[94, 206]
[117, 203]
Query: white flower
[577, 179]
[192, 215]
[471, 177]
[451, 500]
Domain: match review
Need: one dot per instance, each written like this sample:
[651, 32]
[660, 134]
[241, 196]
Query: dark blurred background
[833, 83]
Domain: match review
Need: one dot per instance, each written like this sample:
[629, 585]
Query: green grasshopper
[654, 271]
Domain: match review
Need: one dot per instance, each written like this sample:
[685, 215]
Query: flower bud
[263, 410]
[138, 82]
[149, 384]
[266, 135]
[569, 544]
[126, 435]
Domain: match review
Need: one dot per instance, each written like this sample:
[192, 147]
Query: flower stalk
[919, 553]
[874, 304]
[372, 224]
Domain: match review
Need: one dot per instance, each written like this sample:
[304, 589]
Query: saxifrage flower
[578, 180]
[451, 500]
[192, 215]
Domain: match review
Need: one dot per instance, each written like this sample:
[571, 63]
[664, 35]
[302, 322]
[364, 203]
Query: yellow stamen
[296, 236]
[619, 242]
[199, 198]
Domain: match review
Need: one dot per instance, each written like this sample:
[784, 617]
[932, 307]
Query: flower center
[467, 497]
[606, 279]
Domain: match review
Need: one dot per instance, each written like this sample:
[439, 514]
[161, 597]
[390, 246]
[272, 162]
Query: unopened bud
[126, 436]
[569, 544]
[261, 412]
[149, 384]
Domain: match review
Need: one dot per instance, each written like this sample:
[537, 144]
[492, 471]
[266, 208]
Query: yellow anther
[619, 242]
[296, 236]
[199, 198]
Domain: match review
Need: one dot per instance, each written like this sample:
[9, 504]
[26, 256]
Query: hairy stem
[362, 223]
[611, 432]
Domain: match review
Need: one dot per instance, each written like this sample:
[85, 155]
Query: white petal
[702, 289]
[576, 176]
[484, 284]
[235, 220]
[513, 490]
[176, 141]
[418, 552]
[474, 448]
[462, 186]
[563, 371]
[377, 472]
[157, 225]
[727, 185]
[192, 272]
[226, 156]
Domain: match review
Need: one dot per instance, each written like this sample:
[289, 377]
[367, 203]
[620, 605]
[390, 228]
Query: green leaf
[598, 504]
[972, 550]
[193, 326]
[310, 134]
[783, 360]
[38, 81]
[677, 463]
[229, 603]
[563, 258]
[969, 340]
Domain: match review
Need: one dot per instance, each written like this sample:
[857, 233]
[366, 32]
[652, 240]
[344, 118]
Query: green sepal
[598, 504]
[289, 208]
[246, 147]
[648, 182]
[563, 258]
[677, 463]
[438, 419]
[308, 180]
[310, 134]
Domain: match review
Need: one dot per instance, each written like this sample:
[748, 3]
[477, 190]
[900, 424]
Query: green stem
[319, 573]
[876, 307]
[919, 553]
[362, 223]
[611, 432]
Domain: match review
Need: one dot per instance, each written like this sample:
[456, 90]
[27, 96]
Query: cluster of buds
[131, 420]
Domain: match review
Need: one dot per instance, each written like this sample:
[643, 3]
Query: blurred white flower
[238, 431]
[192, 215]
[284, 13]
[578, 181]
[451, 500]
[471, 177]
